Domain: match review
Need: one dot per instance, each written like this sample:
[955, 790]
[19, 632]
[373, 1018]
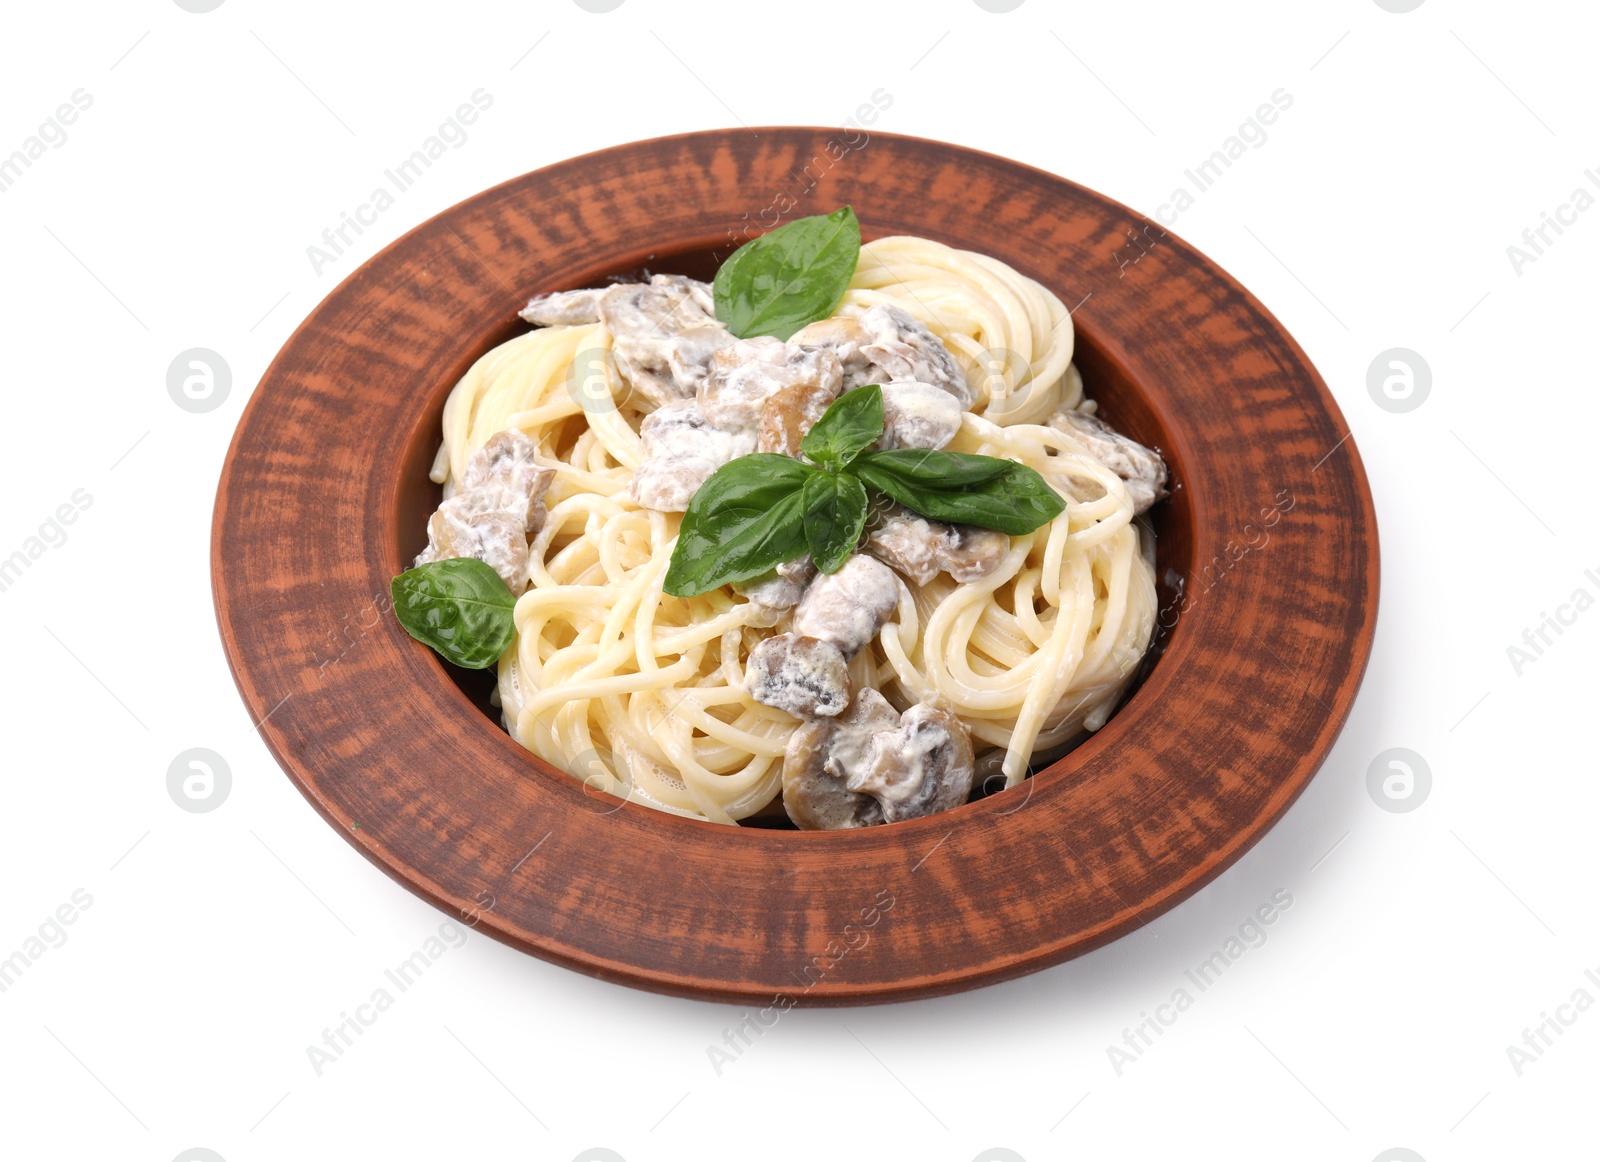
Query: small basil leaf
[794, 275]
[835, 509]
[743, 521]
[460, 607]
[1015, 500]
[852, 422]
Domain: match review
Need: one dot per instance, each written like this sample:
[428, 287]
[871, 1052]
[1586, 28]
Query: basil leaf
[835, 509]
[938, 470]
[852, 422]
[794, 275]
[1013, 499]
[460, 607]
[744, 520]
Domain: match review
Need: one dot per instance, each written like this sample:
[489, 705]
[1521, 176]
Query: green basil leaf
[794, 275]
[744, 520]
[835, 509]
[1013, 498]
[938, 470]
[852, 423]
[460, 607]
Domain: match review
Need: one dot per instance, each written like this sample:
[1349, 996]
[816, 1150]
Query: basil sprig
[794, 275]
[758, 511]
[460, 607]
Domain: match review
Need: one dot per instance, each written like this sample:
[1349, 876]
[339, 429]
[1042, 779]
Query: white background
[1419, 946]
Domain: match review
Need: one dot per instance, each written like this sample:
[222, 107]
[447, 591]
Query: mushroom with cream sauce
[922, 766]
[782, 588]
[646, 321]
[789, 413]
[850, 606]
[744, 374]
[802, 675]
[918, 415]
[820, 756]
[921, 548]
[1141, 469]
[499, 504]
[682, 450]
[564, 308]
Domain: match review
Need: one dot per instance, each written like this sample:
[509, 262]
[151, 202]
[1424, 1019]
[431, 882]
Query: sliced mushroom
[848, 607]
[690, 351]
[922, 766]
[921, 548]
[681, 450]
[645, 320]
[789, 413]
[899, 347]
[844, 336]
[804, 676]
[746, 373]
[500, 502]
[506, 469]
[818, 759]
[780, 589]
[918, 415]
[1141, 469]
[564, 308]
[463, 527]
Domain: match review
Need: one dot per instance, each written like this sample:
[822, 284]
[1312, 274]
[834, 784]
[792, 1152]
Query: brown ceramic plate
[1268, 555]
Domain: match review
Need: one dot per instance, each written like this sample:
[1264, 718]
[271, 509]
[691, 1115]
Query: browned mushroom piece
[789, 413]
[801, 675]
[689, 354]
[744, 374]
[564, 308]
[920, 548]
[842, 335]
[918, 415]
[817, 761]
[850, 606]
[1141, 469]
[920, 767]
